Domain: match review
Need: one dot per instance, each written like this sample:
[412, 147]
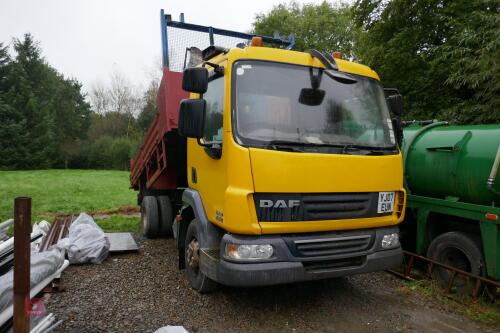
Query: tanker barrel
[453, 162]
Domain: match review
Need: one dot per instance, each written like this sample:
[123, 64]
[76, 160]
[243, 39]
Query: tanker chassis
[453, 198]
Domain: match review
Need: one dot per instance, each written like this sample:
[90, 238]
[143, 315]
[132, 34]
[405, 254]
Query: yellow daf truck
[279, 166]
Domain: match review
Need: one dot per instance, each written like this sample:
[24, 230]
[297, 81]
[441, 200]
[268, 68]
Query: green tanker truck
[453, 202]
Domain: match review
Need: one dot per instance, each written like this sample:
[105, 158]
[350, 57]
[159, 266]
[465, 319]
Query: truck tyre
[198, 281]
[459, 250]
[149, 217]
[166, 216]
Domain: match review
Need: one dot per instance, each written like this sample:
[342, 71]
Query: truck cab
[295, 173]
[269, 165]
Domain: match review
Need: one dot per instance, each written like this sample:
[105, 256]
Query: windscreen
[276, 102]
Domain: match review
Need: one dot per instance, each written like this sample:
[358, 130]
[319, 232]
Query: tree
[24, 75]
[149, 110]
[327, 27]
[442, 55]
[13, 126]
[473, 48]
[112, 124]
[13, 138]
[99, 99]
[4, 63]
[50, 110]
[71, 118]
[120, 97]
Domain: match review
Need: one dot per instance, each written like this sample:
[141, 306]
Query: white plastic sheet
[86, 241]
[41, 227]
[171, 329]
[42, 265]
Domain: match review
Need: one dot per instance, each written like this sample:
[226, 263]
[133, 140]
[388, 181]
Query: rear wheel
[198, 281]
[166, 216]
[149, 217]
[458, 250]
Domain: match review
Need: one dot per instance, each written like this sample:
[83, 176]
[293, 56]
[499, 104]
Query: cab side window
[213, 115]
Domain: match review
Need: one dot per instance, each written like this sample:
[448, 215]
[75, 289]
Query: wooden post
[22, 251]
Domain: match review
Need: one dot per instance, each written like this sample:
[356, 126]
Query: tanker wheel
[458, 250]
[150, 217]
[198, 281]
[166, 216]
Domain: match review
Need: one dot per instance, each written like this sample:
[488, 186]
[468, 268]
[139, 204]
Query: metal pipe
[9, 243]
[6, 224]
[164, 39]
[46, 324]
[431, 264]
[42, 323]
[451, 268]
[7, 313]
[493, 173]
[22, 253]
[223, 32]
[49, 237]
[51, 328]
[61, 232]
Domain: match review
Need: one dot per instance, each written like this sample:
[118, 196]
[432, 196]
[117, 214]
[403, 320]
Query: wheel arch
[192, 208]
[439, 224]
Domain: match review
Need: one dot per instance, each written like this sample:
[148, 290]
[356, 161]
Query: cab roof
[298, 58]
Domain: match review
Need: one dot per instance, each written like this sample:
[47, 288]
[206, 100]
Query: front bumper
[287, 266]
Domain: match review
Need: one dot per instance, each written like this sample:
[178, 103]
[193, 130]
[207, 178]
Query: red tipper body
[152, 168]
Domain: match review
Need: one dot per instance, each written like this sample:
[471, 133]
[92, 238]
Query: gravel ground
[144, 291]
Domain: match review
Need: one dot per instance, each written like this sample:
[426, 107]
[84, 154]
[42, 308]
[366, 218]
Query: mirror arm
[213, 152]
[397, 128]
[323, 59]
[203, 144]
[217, 68]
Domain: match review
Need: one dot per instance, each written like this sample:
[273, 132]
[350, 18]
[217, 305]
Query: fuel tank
[452, 162]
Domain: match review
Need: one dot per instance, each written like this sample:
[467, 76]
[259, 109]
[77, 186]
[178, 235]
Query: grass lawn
[70, 191]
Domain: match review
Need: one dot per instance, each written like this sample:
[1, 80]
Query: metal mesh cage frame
[178, 36]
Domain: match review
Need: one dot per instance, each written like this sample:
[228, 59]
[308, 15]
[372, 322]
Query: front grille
[327, 265]
[335, 206]
[330, 246]
[285, 207]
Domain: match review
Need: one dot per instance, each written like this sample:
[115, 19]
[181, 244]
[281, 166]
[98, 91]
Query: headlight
[249, 252]
[390, 241]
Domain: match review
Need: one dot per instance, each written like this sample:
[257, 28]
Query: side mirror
[311, 97]
[195, 80]
[395, 103]
[192, 117]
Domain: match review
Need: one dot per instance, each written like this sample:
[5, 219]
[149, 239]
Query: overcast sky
[88, 39]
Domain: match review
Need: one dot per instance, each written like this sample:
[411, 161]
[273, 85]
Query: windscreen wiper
[279, 144]
[348, 149]
[366, 150]
[286, 145]
[303, 144]
[287, 142]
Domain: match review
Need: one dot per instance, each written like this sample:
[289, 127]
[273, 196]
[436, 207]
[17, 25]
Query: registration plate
[385, 202]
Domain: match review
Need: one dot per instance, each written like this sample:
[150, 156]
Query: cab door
[207, 162]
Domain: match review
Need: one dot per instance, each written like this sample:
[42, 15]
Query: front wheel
[198, 281]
